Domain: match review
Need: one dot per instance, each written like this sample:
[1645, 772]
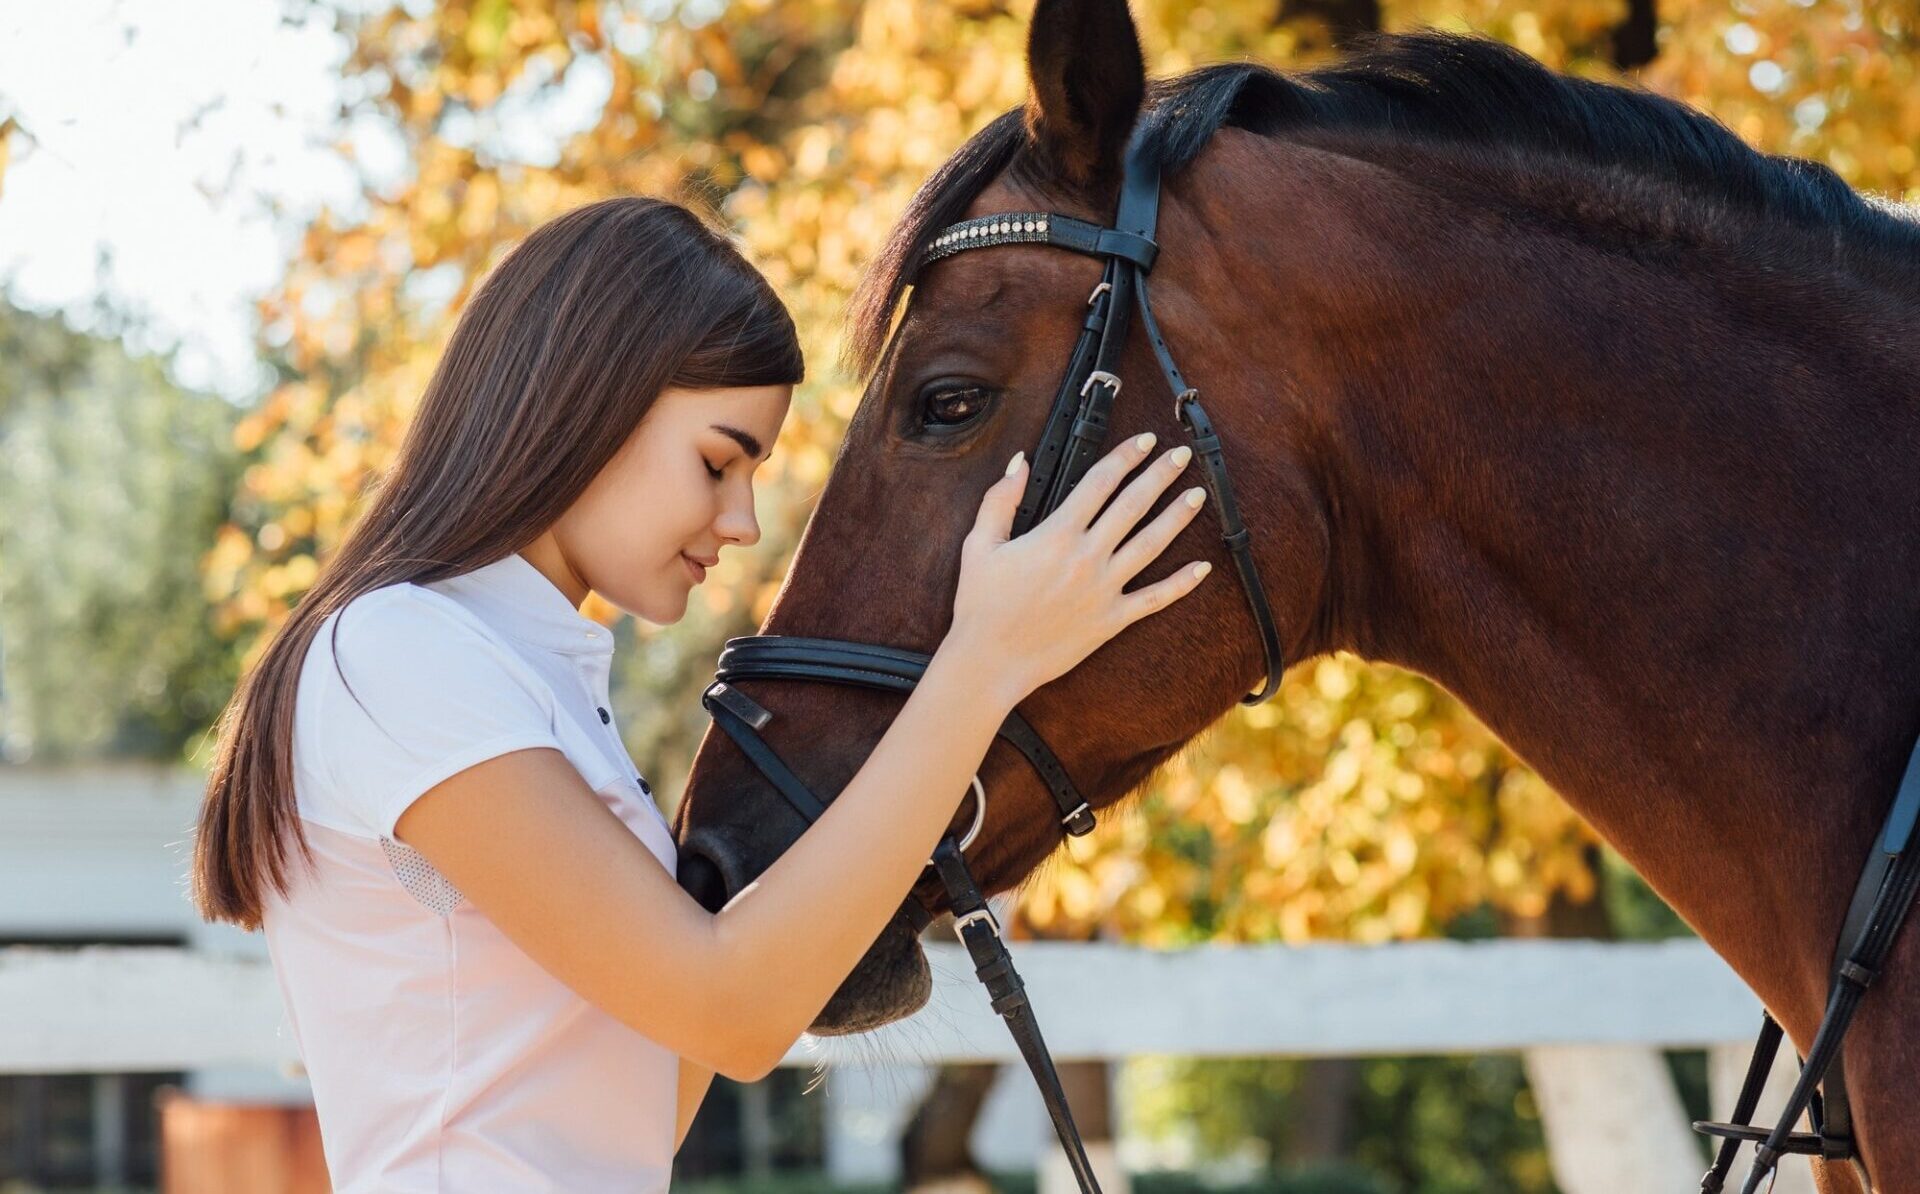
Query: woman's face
[655, 518]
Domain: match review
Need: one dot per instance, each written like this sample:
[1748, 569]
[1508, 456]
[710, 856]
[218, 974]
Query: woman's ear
[1083, 57]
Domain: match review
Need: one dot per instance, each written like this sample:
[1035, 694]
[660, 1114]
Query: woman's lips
[695, 568]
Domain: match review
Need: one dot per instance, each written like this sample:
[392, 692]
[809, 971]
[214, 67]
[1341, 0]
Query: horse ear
[1089, 77]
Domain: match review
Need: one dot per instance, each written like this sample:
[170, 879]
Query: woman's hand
[1037, 605]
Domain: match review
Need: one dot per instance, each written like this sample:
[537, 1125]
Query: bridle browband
[1075, 431]
[1074, 434]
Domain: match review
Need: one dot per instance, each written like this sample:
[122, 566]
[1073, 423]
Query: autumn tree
[1364, 803]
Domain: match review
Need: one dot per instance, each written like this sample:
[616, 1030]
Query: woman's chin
[661, 609]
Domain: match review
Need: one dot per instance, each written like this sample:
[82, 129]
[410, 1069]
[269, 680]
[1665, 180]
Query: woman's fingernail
[1013, 466]
[1144, 441]
[1195, 496]
[1180, 456]
[1201, 569]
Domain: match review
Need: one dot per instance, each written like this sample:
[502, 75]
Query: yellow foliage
[1362, 803]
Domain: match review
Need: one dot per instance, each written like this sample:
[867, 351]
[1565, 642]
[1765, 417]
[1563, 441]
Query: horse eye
[950, 408]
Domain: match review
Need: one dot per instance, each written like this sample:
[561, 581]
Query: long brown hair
[552, 365]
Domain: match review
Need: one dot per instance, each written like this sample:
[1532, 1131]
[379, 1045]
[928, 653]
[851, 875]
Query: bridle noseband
[1074, 434]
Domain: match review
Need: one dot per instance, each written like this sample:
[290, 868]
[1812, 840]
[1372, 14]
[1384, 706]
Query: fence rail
[121, 1009]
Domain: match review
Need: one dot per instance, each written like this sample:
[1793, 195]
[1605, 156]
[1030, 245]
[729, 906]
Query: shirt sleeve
[426, 695]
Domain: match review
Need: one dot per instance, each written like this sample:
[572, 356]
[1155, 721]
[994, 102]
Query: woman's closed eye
[715, 473]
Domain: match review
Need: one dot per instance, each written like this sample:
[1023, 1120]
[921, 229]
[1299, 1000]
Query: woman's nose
[739, 527]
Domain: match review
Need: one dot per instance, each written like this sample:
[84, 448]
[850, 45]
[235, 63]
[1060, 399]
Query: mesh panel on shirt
[417, 875]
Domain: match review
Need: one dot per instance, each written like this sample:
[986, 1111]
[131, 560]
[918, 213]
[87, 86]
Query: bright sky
[164, 130]
[179, 147]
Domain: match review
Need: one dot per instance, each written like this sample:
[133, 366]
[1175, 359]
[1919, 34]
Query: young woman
[419, 793]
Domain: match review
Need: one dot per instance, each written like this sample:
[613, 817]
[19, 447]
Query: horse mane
[1426, 87]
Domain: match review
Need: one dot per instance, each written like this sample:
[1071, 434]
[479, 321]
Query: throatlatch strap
[1239, 542]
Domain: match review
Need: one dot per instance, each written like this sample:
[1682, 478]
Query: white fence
[1588, 1018]
[123, 1009]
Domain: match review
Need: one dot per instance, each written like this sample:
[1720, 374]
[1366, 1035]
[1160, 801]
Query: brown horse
[1552, 391]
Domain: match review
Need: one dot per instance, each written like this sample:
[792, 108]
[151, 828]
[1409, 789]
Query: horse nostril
[702, 879]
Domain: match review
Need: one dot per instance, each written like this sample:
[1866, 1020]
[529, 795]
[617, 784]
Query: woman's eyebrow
[746, 439]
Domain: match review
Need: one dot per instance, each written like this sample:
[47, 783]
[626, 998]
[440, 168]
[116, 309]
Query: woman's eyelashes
[715, 473]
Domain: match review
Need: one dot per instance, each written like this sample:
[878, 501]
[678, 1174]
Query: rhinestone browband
[1007, 228]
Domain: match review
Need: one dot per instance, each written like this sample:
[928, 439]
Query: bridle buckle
[977, 916]
[1101, 376]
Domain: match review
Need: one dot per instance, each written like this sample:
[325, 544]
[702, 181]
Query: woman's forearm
[812, 915]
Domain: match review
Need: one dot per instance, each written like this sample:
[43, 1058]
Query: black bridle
[1075, 431]
[1074, 434]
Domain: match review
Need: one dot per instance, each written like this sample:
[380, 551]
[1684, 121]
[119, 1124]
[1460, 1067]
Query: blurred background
[234, 235]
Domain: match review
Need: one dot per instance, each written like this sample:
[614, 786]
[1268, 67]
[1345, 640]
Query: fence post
[1613, 1120]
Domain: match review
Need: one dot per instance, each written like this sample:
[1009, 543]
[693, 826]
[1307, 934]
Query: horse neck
[1653, 519]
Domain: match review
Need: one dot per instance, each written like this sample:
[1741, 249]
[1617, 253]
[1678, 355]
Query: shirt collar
[517, 599]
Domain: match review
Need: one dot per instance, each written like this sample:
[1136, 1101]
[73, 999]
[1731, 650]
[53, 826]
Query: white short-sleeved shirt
[443, 1058]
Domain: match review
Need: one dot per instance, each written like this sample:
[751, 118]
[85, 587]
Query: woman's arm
[694, 1081]
[523, 837]
[525, 840]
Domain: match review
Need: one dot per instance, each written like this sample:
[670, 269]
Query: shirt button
[606, 719]
[592, 634]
